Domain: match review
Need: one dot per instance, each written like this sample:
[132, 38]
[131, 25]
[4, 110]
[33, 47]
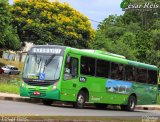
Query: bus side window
[71, 69]
[87, 66]
[141, 75]
[117, 71]
[130, 73]
[103, 68]
[152, 77]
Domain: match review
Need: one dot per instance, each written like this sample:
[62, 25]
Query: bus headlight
[54, 86]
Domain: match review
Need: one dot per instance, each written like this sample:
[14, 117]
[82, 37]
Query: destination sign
[47, 50]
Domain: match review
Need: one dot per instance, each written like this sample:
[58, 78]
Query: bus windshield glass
[42, 67]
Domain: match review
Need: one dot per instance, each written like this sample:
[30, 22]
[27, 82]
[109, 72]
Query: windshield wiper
[36, 58]
[49, 60]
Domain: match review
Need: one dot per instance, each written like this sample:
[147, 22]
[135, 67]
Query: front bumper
[44, 92]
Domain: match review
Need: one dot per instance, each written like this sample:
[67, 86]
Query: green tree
[116, 37]
[124, 49]
[9, 39]
[45, 22]
[153, 57]
[156, 25]
[101, 42]
[143, 44]
[122, 46]
[112, 20]
[153, 54]
[133, 28]
[155, 39]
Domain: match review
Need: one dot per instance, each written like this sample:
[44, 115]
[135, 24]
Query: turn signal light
[22, 83]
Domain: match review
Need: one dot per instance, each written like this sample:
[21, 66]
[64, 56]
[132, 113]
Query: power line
[94, 21]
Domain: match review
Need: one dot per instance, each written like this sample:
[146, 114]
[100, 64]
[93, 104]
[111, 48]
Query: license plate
[36, 93]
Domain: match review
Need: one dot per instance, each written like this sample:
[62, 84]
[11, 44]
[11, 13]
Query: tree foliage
[45, 22]
[117, 37]
[9, 39]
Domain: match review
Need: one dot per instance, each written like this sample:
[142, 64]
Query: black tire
[47, 102]
[9, 73]
[131, 104]
[81, 99]
[100, 106]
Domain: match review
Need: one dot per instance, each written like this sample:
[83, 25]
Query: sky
[95, 10]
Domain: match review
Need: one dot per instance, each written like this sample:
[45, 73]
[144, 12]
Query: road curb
[21, 99]
[148, 108]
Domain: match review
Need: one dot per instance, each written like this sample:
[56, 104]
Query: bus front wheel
[81, 99]
[131, 104]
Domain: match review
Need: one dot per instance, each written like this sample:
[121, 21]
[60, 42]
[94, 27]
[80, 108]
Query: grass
[9, 88]
[9, 84]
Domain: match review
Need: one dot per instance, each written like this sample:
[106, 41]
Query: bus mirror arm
[68, 59]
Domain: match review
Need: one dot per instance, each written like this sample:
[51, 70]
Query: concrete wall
[19, 56]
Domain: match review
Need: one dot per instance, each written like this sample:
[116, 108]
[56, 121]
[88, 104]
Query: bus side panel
[152, 93]
[140, 90]
[109, 91]
[98, 92]
[145, 93]
[69, 90]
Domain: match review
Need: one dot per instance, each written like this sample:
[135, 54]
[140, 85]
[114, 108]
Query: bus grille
[42, 93]
[39, 83]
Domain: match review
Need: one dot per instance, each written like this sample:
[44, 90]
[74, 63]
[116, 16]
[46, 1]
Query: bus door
[70, 78]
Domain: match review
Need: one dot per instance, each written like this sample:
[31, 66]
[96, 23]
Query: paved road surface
[14, 108]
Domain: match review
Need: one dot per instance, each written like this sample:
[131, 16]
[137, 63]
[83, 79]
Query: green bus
[59, 73]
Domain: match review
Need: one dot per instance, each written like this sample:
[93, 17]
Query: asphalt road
[22, 108]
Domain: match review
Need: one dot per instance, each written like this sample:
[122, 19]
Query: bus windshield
[42, 67]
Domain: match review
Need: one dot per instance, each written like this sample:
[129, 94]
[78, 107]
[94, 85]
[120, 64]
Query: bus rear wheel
[131, 104]
[47, 102]
[81, 99]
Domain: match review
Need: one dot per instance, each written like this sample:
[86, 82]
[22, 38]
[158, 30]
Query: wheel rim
[132, 104]
[80, 99]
